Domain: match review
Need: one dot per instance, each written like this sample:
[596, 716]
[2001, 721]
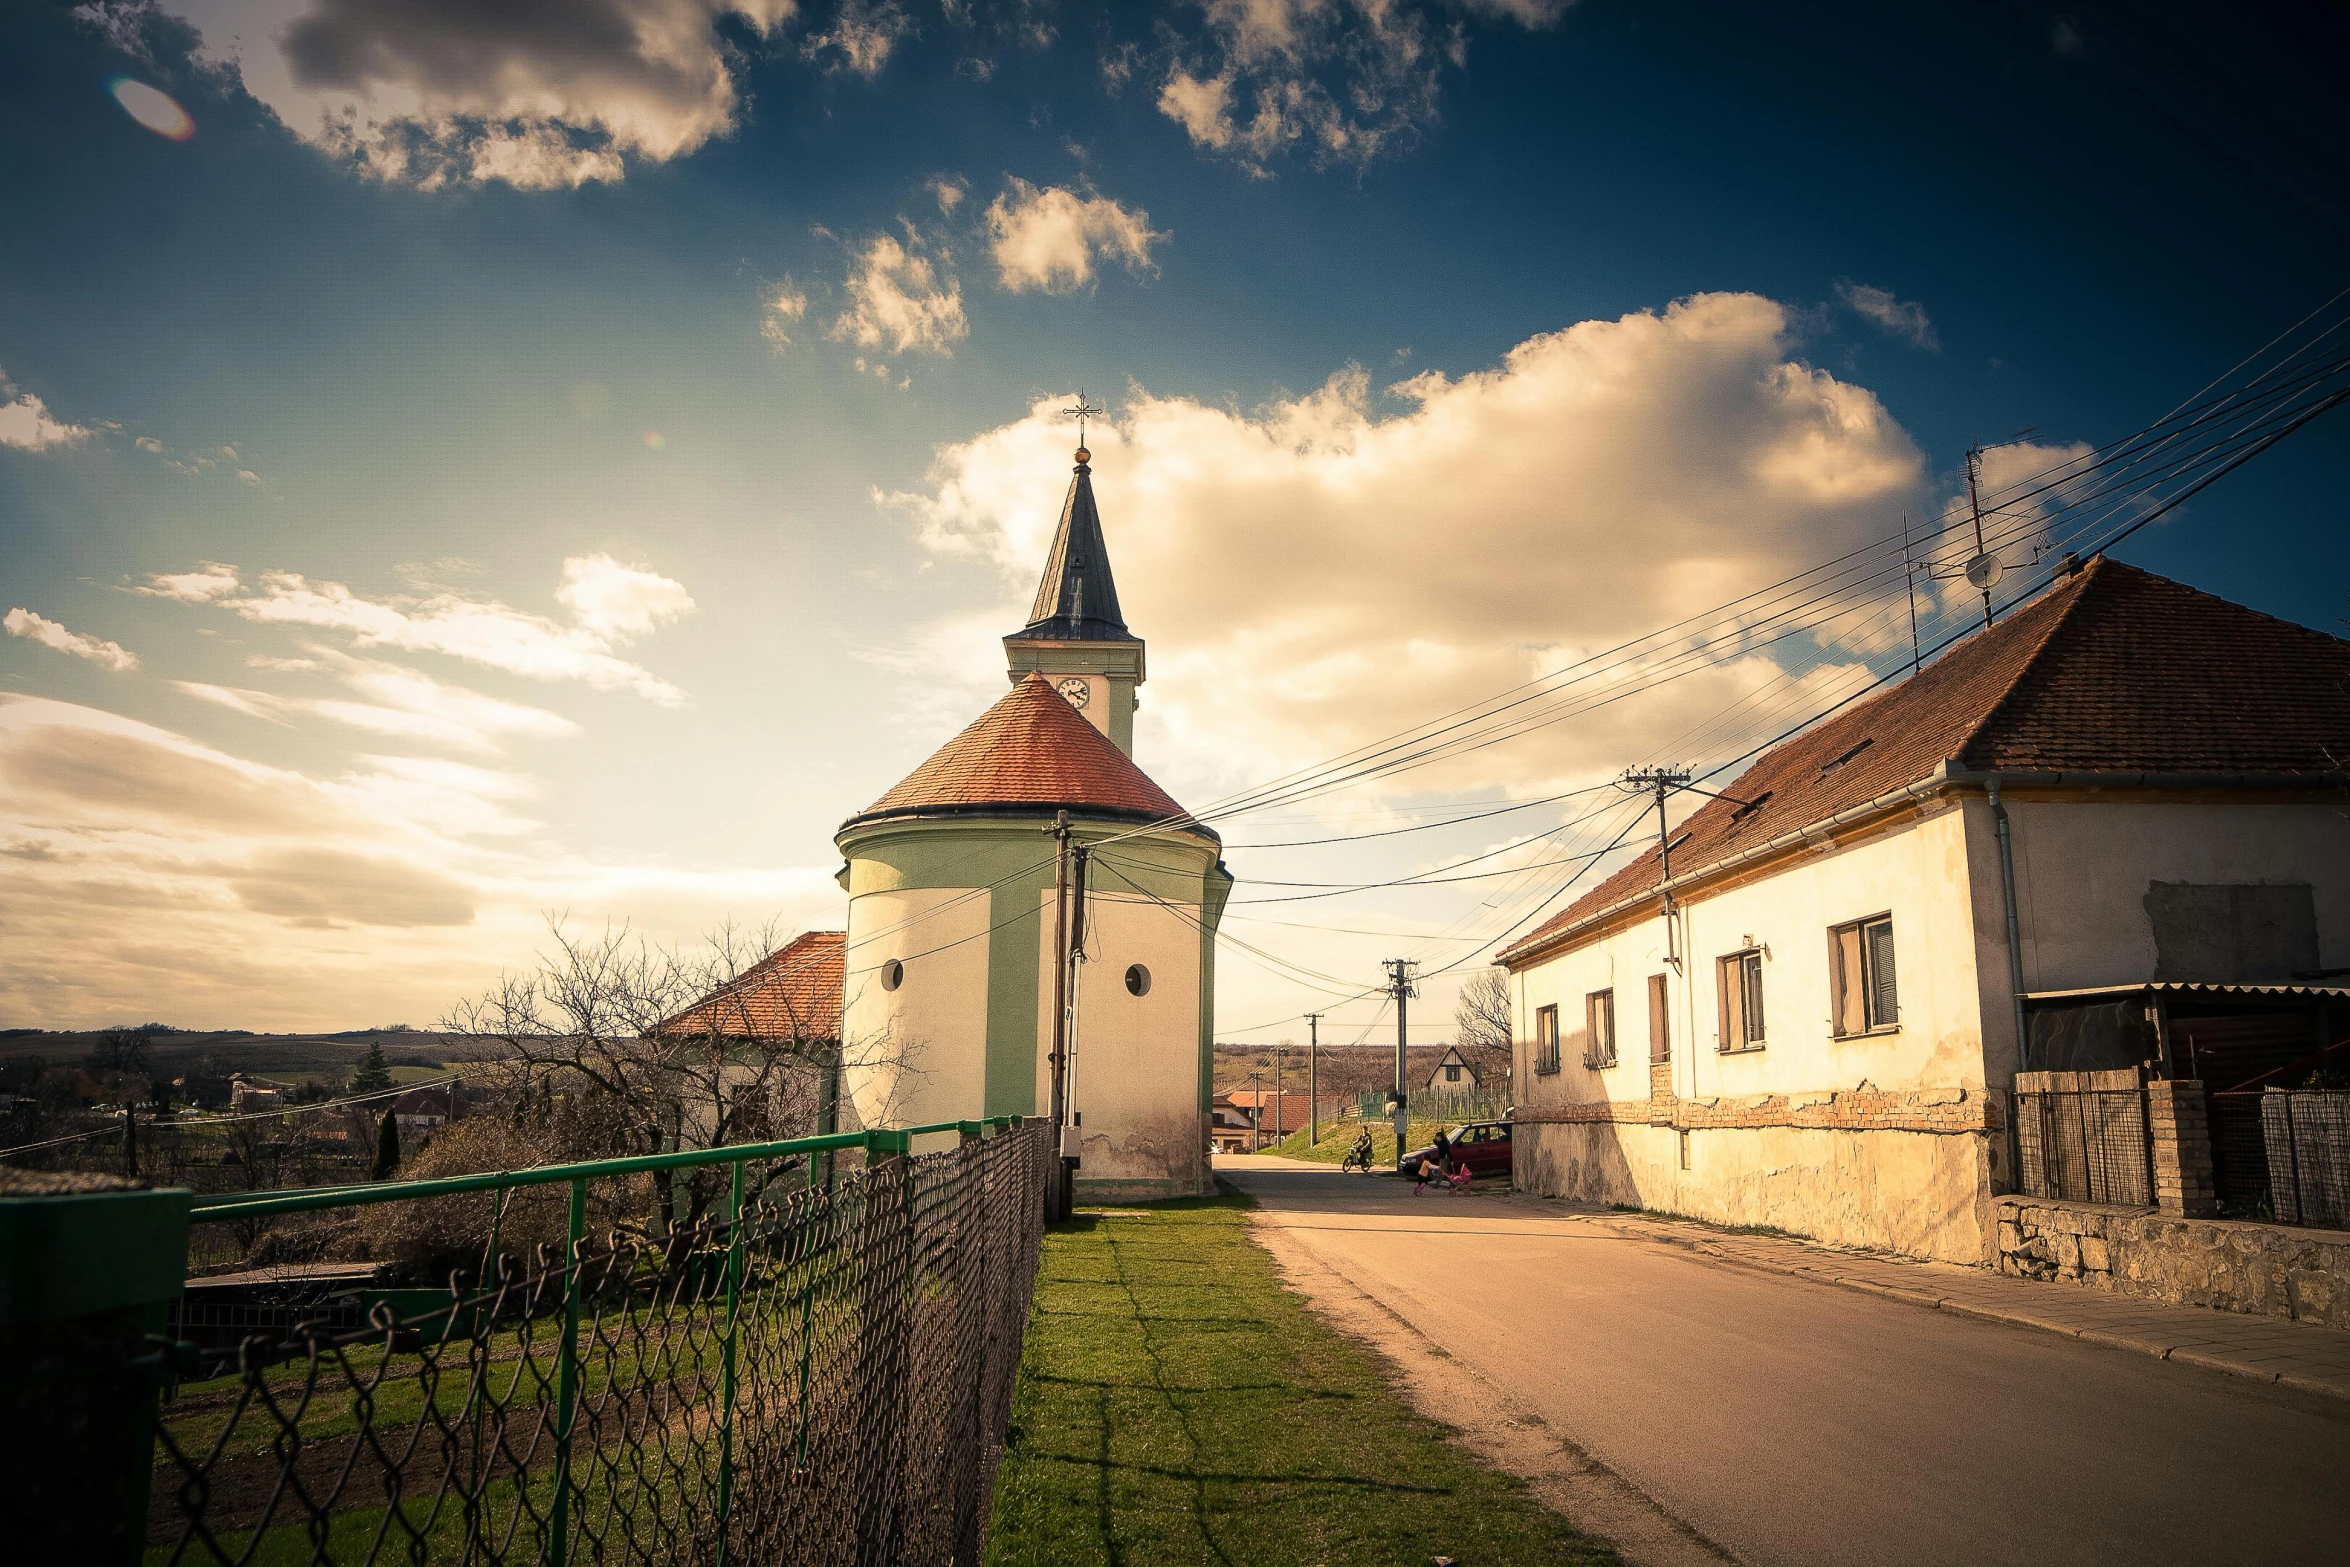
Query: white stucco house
[1812, 1023]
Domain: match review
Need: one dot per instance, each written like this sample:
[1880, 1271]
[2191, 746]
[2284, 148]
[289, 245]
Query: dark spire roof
[1077, 601]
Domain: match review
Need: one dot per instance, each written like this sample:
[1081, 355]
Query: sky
[464, 466]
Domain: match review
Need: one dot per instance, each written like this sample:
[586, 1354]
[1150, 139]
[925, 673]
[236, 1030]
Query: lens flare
[653, 439]
[153, 108]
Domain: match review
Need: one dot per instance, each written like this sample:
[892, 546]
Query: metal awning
[2188, 987]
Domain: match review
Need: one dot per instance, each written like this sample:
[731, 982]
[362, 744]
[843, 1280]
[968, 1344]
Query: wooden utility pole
[1313, 1078]
[1399, 986]
[1280, 1126]
[1057, 1207]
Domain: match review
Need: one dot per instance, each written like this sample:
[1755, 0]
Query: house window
[1546, 1039]
[1860, 963]
[1452, 1074]
[1660, 1035]
[1599, 1022]
[1738, 983]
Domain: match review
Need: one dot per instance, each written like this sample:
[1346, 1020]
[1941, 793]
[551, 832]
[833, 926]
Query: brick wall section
[1945, 1110]
[2179, 1126]
[1660, 1093]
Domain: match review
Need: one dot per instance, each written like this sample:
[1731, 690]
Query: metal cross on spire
[1082, 412]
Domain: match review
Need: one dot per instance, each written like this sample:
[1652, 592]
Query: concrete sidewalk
[2265, 1349]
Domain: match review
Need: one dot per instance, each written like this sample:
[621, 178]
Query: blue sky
[668, 392]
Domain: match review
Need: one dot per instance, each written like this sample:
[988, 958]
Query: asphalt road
[1793, 1422]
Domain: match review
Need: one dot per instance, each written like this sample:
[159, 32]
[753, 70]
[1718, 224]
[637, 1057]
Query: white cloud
[1315, 574]
[106, 655]
[613, 605]
[862, 36]
[1899, 317]
[405, 704]
[901, 300]
[949, 190]
[787, 305]
[1345, 81]
[620, 602]
[27, 425]
[446, 92]
[154, 876]
[1047, 238]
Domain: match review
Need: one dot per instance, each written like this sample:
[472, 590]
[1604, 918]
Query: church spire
[1076, 637]
[1077, 600]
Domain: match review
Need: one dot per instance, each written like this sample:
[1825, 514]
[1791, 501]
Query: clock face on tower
[1076, 690]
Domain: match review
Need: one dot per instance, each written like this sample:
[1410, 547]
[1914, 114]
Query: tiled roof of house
[1030, 752]
[2115, 670]
[792, 993]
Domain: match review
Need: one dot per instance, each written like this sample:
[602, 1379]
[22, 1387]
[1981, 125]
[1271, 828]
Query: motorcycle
[1359, 1156]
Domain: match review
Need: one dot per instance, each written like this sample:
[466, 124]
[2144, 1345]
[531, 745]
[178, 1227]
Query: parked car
[1484, 1146]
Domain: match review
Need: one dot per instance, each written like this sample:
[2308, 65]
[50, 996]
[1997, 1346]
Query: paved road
[1792, 1422]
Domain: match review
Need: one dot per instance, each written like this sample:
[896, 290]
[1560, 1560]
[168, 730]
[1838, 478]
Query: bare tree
[1482, 1014]
[660, 1050]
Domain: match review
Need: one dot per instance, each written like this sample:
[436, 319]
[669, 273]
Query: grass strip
[1177, 1404]
[1339, 1136]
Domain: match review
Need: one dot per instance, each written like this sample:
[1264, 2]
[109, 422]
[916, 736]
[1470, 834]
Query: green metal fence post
[567, 1379]
[734, 1279]
[89, 1266]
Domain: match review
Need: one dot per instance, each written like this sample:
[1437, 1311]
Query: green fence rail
[727, 1356]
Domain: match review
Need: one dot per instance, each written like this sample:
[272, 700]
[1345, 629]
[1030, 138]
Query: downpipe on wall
[2015, 944]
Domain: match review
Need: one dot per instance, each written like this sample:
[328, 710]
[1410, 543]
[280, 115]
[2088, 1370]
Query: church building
[949, 985]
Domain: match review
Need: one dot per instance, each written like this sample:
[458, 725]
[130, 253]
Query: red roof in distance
[1030, 753]
[792, 993]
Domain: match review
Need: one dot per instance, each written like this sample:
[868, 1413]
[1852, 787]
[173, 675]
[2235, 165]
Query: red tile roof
[2113, 671]
[1030, 752]
[792, 993]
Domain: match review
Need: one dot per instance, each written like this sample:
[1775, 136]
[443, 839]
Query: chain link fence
[818, 1367]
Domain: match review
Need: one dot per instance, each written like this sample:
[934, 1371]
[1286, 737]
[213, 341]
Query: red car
[1484, 1146]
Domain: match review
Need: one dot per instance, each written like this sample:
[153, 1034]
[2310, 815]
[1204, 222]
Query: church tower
[952, 953]
[1075, 636]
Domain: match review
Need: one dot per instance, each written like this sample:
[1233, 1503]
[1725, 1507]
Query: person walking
[1435, 1167]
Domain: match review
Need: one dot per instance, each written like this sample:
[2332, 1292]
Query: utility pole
[1401, 988]
[1313, 1078]
[1073, 1137]
[1056, 1208]
[1661, 781]
[1280, 1126]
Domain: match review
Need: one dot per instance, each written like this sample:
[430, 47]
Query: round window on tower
[893, 974]
[1138, 980]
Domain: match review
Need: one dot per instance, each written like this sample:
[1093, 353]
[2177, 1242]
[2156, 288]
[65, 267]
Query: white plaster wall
[1921, 1193]
[1915, 869]
[918, 1053]
[1137, 1058]
[2082, 866]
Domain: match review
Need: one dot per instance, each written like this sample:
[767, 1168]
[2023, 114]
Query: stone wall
[2265, 1270]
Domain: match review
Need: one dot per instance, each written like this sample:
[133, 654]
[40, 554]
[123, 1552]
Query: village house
[2127, 792]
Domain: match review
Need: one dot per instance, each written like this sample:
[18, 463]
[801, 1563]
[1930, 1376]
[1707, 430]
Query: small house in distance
[1815, 1024]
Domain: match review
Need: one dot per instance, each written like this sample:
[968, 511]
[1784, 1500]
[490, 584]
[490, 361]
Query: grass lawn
[1339, 1136]
[1176, 1404]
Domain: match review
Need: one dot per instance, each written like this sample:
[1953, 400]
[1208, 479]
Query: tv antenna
[1983, 569]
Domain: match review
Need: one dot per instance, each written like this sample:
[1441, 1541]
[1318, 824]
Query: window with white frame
[1599, 1029]
[1860, 977]
[1738, 985]
[1546, 1039]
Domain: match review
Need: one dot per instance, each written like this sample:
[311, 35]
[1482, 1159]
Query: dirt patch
[1488, 1422]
